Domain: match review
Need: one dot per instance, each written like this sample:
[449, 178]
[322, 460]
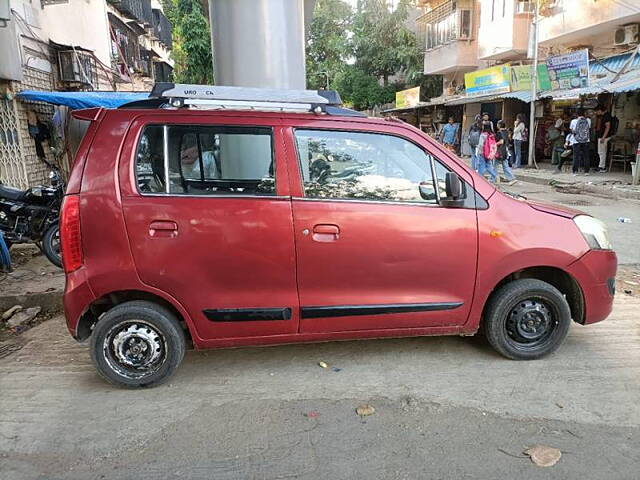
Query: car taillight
[70, 238]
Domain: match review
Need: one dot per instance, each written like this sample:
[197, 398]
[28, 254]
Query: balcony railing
[138, 10]
[162, 28]
[457, 25]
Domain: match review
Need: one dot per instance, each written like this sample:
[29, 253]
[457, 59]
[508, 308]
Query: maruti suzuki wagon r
[222, 217]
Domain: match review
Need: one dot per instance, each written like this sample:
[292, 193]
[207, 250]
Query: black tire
[526, 319]
[51, 245]
[137, 324]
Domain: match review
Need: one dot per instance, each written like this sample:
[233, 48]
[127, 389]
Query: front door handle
[163, 228]
[326, 233]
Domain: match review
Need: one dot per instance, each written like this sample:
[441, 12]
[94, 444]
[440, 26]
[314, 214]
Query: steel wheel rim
[531, 323]
[134, 349]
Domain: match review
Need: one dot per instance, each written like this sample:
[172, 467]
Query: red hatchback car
[223, 217]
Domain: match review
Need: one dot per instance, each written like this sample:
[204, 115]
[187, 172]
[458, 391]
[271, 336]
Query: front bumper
[595, 272]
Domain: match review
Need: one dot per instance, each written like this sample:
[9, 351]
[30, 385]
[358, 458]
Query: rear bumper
[77, 298]
[595, 272]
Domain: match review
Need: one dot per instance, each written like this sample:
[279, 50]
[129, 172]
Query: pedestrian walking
[556, 140]
[581, 129]
[450, 135]
[605, 132]
[519, 128]
[487, 148]
[502, 140]
[474, 137]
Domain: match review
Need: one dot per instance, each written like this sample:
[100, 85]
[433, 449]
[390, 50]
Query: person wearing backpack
[606, 130]
[581, 129]
[474, 138]
[502, 157]
[519, 134]
[486, 151]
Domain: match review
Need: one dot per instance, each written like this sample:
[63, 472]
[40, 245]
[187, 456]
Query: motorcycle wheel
[51, 245]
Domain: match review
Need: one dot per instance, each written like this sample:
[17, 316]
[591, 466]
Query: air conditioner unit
[626, 35]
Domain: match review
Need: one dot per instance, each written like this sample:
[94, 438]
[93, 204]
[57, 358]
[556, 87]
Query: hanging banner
[569, 71]
[521, 78]
[408, 98]
[489, 81]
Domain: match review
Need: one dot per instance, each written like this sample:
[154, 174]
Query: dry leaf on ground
[365, 410]
[543, 456]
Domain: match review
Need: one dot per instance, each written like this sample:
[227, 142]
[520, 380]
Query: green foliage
[191, 42]
[383, 45]
[362, 50]
[328, 46]
[362, 90]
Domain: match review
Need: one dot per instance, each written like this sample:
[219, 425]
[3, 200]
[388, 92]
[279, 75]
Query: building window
[77, 66]
[455, 26]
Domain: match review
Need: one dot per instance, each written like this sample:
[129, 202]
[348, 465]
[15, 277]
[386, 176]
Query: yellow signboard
[488, 81]
[408, 98]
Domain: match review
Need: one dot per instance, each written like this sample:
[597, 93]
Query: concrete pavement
[444, 405]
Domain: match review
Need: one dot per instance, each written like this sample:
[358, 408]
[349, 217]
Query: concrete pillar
[259, 43]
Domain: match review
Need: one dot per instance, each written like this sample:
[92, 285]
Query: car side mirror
[454, 190]
[426, 191]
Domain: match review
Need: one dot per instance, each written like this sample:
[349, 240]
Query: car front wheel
[137, 344]
[527, 319]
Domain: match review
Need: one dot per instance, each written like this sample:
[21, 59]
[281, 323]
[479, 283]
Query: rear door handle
[163, 228]
[326, 233]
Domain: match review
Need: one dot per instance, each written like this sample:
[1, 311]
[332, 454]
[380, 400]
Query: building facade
[474, 38]
[70, 45]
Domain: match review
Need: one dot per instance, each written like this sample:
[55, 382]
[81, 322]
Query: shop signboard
[569, 71]
[408, 98]
[521, 78]
[490, 81]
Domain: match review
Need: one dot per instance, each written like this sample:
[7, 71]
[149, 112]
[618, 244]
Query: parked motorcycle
[31, 216]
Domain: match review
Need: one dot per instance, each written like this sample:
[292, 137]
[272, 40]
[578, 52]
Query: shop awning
[627, 82]
[523, 96]
[78, 100]
[430, 103]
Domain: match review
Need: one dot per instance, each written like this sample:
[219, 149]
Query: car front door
[375, 247]
[209, 221]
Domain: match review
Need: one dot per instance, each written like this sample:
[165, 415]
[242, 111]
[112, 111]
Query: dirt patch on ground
[628, 280]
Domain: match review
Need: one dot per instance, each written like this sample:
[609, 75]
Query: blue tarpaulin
[76, 100]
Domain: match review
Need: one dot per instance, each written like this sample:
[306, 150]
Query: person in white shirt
[518, 139]
[581, 129]
[568, 151]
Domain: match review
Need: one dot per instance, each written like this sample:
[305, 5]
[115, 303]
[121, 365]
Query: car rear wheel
[527, 319]
[137, 344]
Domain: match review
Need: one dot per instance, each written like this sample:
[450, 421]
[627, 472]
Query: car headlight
[594, 232]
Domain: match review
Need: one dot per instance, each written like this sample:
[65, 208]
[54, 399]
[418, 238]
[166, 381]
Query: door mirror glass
[453, 186]
[427, 192]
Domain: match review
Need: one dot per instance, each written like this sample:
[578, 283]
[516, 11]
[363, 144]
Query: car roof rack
[214, 97]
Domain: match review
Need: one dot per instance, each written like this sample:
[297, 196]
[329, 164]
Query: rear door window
[205, 160]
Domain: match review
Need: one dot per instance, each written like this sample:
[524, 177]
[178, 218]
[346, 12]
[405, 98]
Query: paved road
[624, 235]
[445, 408]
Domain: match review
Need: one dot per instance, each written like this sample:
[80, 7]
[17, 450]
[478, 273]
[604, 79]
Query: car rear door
[372, 253]
[218, 235]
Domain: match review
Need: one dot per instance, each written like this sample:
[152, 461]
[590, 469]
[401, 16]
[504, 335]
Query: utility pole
[534, 89]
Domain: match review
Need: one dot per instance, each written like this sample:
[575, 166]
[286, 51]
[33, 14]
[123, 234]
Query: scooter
[31, 216]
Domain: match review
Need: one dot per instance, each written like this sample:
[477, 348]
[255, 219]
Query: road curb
[608, 191]
[50, 302]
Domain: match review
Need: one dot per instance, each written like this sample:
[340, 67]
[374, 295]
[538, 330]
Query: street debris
[624, 220]
[22, 317]
[15, 309]
[365, 410]
[629, 292]
[559, 405]
[543, 456]
[323, 364]
[336, 369]
[312, 414]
